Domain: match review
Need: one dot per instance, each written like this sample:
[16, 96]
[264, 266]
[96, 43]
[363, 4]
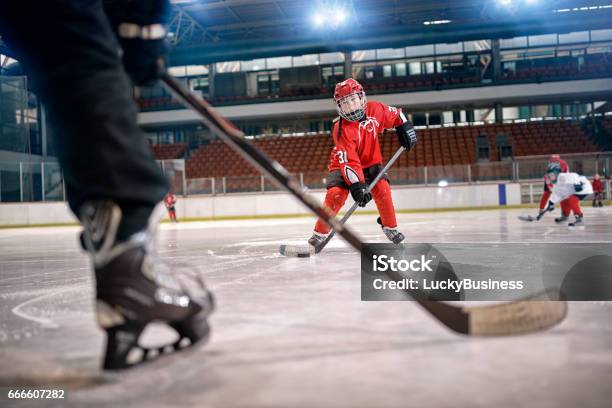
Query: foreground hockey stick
[529, 218]
[530, 314]
[494, 320]
[304, 251]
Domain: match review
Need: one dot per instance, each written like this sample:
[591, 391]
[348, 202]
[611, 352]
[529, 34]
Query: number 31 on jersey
[342, 156]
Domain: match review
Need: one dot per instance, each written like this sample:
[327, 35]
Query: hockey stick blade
[304, 251]
[527, 315]
[527, 218]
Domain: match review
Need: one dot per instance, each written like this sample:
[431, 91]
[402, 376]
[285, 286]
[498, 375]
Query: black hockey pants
[71, 56]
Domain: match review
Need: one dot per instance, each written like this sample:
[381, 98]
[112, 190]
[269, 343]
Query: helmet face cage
[352, 107]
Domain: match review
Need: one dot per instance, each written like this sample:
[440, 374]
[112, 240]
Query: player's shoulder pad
[568, 178]
[376, 104]
[374, 108]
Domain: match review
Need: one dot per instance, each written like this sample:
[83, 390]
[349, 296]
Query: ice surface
[293, 331]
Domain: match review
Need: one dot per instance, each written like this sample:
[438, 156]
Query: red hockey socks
[382, 197]
[574, 204]
[566, 208]
[334, 200]
[336, 197]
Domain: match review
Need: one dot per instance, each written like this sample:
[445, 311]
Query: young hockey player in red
[597, 191]
[170, 201]
[356, 158]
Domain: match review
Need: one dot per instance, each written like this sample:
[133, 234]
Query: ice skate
[560, 219]
[393, 234]
[134, 288]
[317, 239]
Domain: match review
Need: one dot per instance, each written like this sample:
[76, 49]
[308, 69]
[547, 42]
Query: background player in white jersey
[573, 188]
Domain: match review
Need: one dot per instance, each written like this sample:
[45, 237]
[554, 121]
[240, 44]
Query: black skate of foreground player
[82, 57]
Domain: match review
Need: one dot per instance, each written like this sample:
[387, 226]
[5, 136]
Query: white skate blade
[298, 251]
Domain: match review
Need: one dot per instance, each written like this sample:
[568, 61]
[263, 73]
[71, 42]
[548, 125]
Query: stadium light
[505, 2]
[330, 15]
[567, 10]
[318, 20]
[436, 22]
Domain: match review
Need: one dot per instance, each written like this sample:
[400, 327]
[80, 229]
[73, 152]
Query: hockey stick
[529, 218]
[530, 314]
[306, 251]
[495, 320]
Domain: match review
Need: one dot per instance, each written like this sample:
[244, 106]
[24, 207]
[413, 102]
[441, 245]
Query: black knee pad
[334, 179]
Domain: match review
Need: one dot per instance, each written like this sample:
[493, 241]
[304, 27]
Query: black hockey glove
[358, 192]
[406, 135]
[140, 28]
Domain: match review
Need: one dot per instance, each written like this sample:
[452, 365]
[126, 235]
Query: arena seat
[449, 146]
[169, 151]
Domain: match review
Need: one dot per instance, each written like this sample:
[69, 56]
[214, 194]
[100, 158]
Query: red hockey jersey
[169, 200]
[597, 186]
[357, 148]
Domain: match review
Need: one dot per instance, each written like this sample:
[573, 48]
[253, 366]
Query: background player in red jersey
[356, 158]
[170, 201]
[597, 191]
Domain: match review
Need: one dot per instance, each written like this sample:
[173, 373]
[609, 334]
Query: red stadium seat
[437, 147]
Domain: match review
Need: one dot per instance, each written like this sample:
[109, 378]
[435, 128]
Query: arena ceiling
[206, 31]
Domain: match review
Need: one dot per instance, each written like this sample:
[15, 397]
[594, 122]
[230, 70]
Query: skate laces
[390, 232]
[176, 277]
[100, 221]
